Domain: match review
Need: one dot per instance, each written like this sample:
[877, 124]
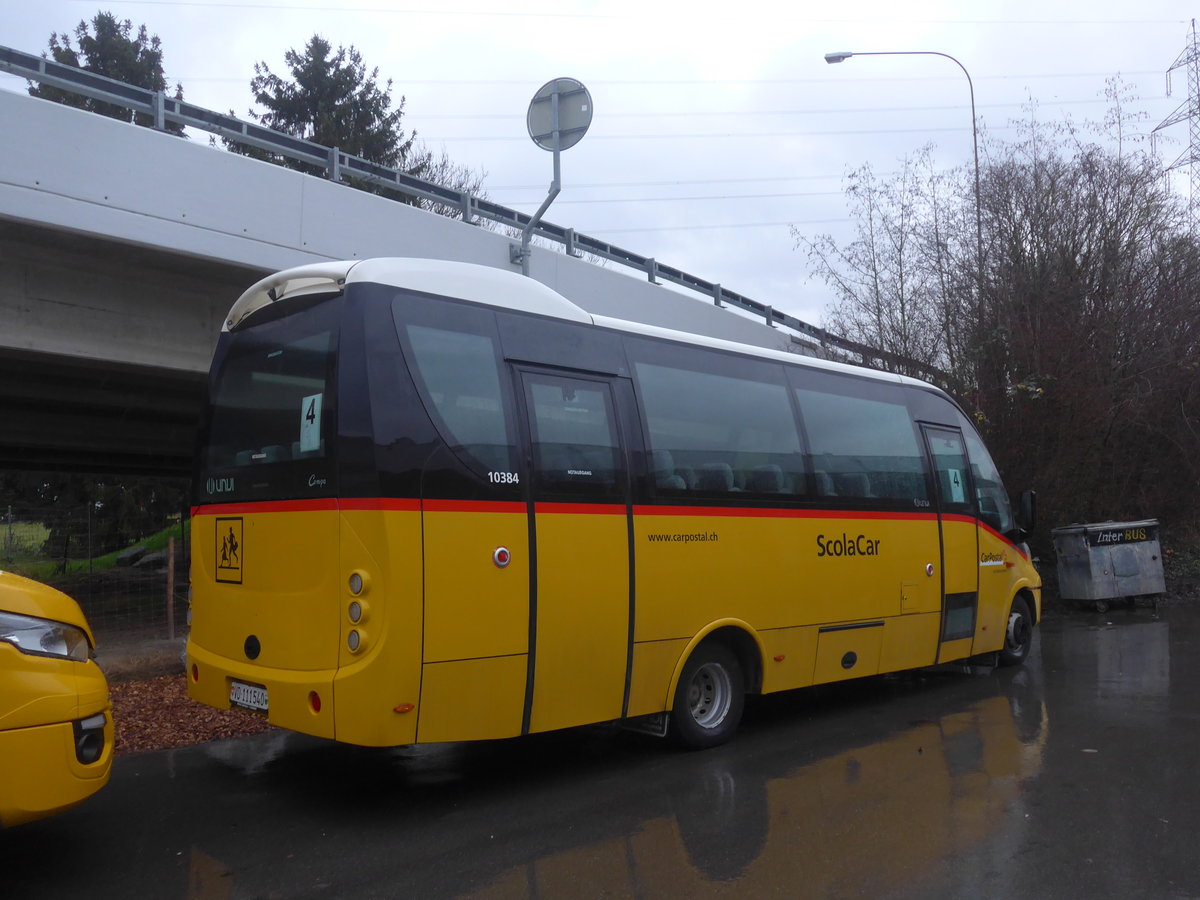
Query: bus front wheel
[1018, 637]
[709, 698]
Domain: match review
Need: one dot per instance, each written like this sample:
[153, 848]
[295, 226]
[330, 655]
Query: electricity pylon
[1190, 110]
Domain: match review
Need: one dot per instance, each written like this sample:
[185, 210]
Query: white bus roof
[493, 287]
[464, 281]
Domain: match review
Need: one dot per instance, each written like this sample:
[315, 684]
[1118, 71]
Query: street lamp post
[843, 55]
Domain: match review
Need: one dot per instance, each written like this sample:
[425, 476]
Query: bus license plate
[249, 696]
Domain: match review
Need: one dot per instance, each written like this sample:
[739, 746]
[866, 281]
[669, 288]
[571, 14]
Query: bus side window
[861, 447]
[728, 433]
[460, 375]
[994, 508]
[575, 446]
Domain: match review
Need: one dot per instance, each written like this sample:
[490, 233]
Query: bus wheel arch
[710, 688]
[1018, 631]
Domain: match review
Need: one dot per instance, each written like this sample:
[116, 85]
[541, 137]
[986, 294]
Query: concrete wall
[180, 201]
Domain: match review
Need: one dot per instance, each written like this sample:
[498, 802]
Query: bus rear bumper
[298, 700]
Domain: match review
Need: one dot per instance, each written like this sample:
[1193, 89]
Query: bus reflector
[404, 707]
[314, 701]
[195, 672]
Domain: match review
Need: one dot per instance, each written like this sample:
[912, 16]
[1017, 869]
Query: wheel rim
[710, 693]
[1019, 631]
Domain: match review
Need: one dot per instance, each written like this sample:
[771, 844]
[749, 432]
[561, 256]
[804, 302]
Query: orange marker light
[780, 658]
[404, 707]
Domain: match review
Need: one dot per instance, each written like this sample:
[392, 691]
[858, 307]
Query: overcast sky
[717, 125]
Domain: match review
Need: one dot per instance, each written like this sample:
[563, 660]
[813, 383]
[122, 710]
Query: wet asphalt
[1073, 776]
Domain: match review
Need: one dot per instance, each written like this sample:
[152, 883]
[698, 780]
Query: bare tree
[893, 284]
[1077, 347]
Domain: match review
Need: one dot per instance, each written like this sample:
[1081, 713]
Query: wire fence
[130, 576]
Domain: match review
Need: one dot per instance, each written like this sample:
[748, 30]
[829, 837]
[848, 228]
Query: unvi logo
[219, 485]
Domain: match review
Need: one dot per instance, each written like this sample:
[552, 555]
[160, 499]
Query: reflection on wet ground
[1072, 776]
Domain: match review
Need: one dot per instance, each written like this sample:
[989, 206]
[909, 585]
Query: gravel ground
[156, 714]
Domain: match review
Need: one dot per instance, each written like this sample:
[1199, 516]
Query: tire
[1018, 636]
[709, 698]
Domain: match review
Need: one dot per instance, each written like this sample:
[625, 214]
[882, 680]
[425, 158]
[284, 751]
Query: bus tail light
[359, 583]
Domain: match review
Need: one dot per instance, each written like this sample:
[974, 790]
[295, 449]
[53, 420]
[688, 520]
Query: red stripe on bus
[777, 513]
[483, 506]
[389, 504]
[266, 506]
[994, 533]
[394, 504]
[595, 509]
[956, 517]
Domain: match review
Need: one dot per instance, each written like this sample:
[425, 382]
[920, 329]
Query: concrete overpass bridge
[122, 248]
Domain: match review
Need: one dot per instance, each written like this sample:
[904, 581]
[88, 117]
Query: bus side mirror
[1028, 511]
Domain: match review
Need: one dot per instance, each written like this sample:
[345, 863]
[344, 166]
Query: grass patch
[41, 568]
[22, 539]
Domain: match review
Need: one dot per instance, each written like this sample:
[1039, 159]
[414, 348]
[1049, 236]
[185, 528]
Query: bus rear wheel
[709, 698]
[1018, 637]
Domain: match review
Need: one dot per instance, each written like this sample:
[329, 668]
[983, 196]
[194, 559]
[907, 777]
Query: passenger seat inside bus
[854, 484]
[662, 470]
[825, 486]
[766, 479]
[716, 477]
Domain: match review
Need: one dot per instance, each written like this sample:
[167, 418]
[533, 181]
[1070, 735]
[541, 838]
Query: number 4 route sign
[310, 423]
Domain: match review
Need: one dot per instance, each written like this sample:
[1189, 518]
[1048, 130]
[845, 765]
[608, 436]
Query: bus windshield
[272, 406]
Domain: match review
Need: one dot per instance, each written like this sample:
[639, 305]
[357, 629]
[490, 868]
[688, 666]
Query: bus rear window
[272, 395]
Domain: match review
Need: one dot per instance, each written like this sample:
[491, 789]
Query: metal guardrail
[338, 165]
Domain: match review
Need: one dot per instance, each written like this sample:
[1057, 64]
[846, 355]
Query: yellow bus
[440, 502]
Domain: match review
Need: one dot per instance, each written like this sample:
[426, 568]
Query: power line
[606, 185]
[848, 110]
[561, 202]
[601, 232]
[708, 136]
[540, 14]
[709, 82]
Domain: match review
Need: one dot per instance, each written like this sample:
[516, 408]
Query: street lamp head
[840, 56]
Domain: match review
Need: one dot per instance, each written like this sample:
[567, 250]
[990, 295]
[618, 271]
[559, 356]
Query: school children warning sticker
[229, 550]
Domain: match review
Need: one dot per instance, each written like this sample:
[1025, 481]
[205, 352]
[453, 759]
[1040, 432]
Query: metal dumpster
[1106, 561]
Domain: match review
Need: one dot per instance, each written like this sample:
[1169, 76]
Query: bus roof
[495, 287]
[464, 281]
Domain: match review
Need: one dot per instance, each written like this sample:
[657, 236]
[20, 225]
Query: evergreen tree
[329, 98]
[107, 48]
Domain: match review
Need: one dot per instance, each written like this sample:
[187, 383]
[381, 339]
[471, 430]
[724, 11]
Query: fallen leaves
[157, 714]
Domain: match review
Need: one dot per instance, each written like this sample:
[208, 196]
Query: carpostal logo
[860, 545]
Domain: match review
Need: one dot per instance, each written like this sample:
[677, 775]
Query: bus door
[581, 596]
[959, 538]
